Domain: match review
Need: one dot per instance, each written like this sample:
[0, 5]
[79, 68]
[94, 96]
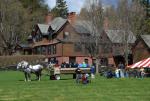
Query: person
[117, 73]
[67, 65]
[127, 72]
[92, 71]
[85, 78]
[84, 65]
[72, 65]
[63, 65]
[121, 67]
[78, 75]
[80, 65]
[76, 64]
[142, 72]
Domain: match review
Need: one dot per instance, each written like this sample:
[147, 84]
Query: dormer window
[66, 35]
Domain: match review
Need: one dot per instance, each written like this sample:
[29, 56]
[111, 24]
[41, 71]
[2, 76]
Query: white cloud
[51, 3]
[75, 5]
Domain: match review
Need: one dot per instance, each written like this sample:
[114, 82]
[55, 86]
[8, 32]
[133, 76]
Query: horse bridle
[25, 67]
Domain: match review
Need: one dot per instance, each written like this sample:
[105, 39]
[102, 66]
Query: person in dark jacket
[78, 75]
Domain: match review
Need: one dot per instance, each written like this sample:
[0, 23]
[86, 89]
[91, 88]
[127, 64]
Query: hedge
[8, 61]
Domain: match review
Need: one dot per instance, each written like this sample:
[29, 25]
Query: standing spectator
[127, 73]
[138, 73]
[117, 73]
[121, 67]
[78, 75]
[92, 70]
[142, 72]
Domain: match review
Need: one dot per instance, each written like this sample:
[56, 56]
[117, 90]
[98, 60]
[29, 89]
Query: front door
[72, 59]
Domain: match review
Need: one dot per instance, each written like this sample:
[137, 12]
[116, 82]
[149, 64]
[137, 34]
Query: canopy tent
[141, 64]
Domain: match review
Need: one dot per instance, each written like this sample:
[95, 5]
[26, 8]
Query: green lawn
[13, 88]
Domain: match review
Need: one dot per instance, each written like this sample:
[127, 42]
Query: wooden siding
[140, 51]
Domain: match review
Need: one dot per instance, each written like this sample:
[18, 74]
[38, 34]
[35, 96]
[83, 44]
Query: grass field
[13, 88]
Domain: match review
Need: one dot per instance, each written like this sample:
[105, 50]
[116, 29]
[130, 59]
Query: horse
[28, 69]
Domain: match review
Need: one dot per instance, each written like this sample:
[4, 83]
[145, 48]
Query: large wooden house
[56, 41]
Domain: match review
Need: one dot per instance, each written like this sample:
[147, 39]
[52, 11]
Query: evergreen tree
[61, 9]
[146, 22]
[146, 4]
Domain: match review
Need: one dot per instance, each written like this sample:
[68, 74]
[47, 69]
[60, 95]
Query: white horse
[28, 69]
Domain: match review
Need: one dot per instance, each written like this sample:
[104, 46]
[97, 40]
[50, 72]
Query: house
[118, 41]
[141, 49]
[57, 38]
[24, 48]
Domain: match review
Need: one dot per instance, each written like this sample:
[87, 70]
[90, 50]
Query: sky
[76, 5]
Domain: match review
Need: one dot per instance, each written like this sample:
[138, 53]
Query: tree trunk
[97, 65]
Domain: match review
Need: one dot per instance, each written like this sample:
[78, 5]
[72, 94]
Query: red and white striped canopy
[140, 64]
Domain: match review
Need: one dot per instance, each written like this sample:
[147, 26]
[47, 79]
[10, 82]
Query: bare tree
[91, 17]
[130, 15]
[11, 24]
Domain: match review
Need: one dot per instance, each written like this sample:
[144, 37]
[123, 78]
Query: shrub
[8, 61]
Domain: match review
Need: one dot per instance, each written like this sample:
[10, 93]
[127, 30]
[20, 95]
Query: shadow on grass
[67, 79]
[31, 80]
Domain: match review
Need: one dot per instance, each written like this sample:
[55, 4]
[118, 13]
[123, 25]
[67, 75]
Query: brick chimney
[71, 17]
[48, 18]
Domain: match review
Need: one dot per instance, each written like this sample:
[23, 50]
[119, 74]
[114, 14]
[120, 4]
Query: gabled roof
[146, 39]
[57, 23]
[43, 28]
[117, 36]
[81, 27]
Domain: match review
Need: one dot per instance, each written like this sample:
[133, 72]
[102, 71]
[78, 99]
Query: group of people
[69, 65]
[74, 65]
[122, 72]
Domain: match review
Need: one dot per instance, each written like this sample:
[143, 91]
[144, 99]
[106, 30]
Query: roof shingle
[43, 28]
[117, 36]
[146, 39]
[57, 23]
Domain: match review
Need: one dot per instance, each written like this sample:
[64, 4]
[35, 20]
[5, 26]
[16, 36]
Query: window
[49, 50]
[66, 35]
[54, 49]
[43, 49]
[38, 36]
[35, 50]
[77, 47]
[39, 50]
